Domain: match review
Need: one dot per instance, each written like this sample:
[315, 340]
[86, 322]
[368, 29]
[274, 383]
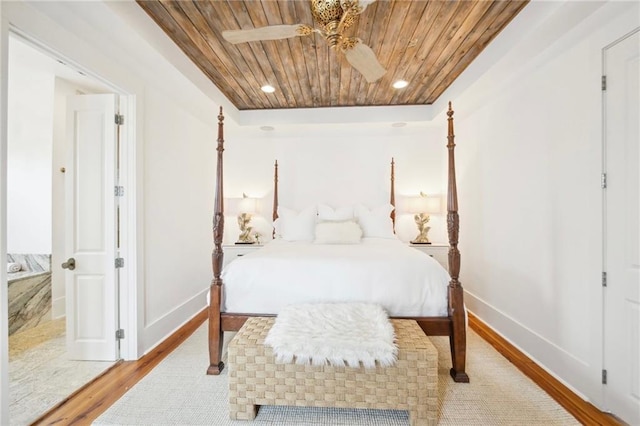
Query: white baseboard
[156, 332]
[58, 308]
[573, 372]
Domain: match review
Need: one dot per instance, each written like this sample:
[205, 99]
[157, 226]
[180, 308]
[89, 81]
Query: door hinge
[119, 334]
[119, 262]
[603, 180]
[604, 377]
[118, 191]
[604, 82]
[119, 119]
[604, 279]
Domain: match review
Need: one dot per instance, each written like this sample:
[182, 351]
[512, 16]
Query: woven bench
[411, 384]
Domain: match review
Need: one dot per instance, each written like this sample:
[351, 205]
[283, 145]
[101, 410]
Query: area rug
[178, 392]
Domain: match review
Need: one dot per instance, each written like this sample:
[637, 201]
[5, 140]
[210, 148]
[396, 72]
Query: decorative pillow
[328, 213]
[376, 222]
[296, 226]
[338, 232]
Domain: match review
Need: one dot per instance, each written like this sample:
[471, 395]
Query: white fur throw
[337, 334]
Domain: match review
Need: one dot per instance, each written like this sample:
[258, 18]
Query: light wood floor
[88, 403]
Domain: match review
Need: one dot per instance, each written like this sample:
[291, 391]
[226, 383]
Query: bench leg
[239, 411]
[422, 416]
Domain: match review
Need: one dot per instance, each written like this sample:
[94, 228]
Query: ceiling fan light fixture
[268, 88]
[332, 17]
[400, 84]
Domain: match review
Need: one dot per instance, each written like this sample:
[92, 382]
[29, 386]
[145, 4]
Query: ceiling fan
[333, 18]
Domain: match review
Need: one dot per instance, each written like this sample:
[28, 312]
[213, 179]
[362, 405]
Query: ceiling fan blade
[362, 58]
[272, 32]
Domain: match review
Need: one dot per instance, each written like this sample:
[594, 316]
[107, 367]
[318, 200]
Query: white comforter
[403, 280]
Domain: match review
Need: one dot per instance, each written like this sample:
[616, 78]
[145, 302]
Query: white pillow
[328, 213]
[376, 223]
[338, 232]
[296, 226]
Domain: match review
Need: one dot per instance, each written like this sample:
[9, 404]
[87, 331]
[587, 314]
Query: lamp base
[420, 242]
[245, 242]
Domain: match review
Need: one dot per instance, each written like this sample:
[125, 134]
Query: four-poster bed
[451, 324]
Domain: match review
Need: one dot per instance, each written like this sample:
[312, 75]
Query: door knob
[69, 264]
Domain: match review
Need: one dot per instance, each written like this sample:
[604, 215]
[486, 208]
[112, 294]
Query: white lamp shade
[247, 205]
[421, 204]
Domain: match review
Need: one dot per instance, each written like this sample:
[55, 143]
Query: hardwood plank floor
[582, 410]
[88, 403]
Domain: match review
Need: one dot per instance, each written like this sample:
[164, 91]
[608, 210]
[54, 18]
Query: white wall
[529, 162]
[58, 293]
[179, 176]
[339, 165]
[4, 300]
[30, 153]
[180, 121]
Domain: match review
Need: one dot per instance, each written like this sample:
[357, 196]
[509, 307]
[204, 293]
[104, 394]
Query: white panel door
[622, 229]
[90, 228]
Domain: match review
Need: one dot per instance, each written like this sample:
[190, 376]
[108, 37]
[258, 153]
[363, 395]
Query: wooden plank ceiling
[425, 42]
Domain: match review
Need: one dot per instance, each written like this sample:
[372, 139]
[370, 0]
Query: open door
[90, 222]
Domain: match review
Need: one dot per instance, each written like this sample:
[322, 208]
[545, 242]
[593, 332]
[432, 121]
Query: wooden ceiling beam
[288, 13]
[478, 39]
[209, 45]
[383, 20]
[446, 28]
[440, 13]
[426, 42]
[254, 53]
[400, 37]
[386, 52]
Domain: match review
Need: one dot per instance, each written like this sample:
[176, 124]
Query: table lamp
[246, 207]
[422, 206]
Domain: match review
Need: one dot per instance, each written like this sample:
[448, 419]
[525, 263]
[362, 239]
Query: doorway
[621, 100]
[38, 231]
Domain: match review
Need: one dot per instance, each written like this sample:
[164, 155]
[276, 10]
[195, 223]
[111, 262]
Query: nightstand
[439, 251]
[234, 251]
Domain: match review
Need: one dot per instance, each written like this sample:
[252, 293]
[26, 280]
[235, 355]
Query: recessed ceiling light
[268, 89]
[399, 124]
[267, 128]
[400, 84]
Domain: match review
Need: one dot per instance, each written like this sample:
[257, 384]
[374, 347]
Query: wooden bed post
[457, 338]
[275, 195]
[392, 199]
[215, 324]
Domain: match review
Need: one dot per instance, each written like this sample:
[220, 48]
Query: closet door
[622, 229]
